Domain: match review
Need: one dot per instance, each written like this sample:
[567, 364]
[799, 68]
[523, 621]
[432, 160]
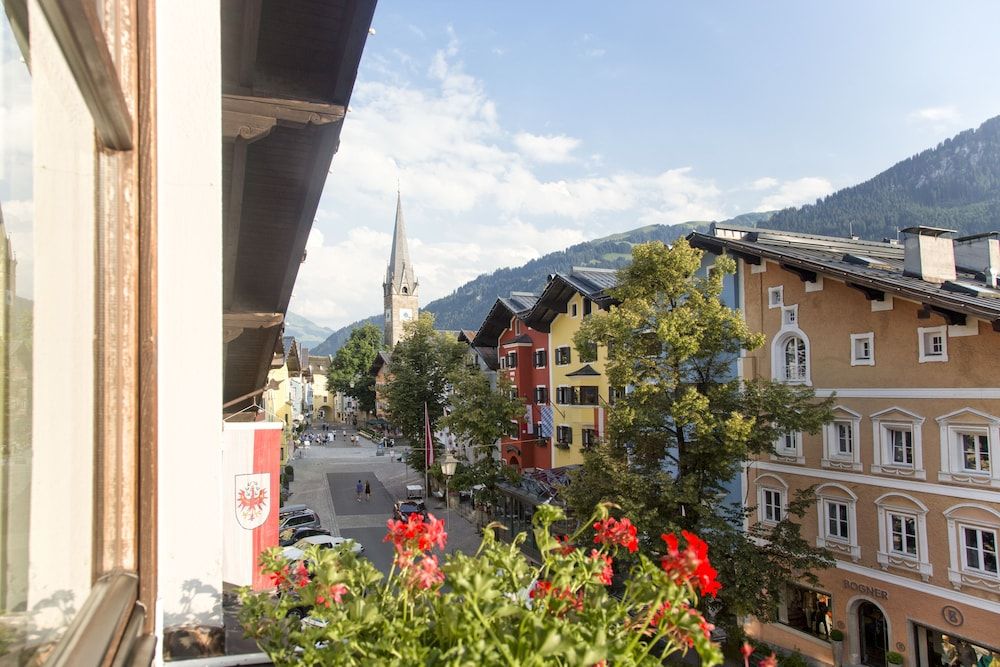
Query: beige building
[907, 339]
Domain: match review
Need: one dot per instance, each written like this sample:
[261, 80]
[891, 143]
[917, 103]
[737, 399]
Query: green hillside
[955, 185]
[467, 306]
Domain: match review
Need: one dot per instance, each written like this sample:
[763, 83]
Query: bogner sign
[866, 589]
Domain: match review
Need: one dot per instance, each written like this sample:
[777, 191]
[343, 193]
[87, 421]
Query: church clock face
[405, 314]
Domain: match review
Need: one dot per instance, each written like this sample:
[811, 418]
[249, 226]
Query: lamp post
[448, 469]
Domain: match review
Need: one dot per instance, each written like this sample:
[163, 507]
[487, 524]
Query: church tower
[400, 286]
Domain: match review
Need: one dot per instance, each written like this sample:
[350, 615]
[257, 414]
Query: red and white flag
[428, 439]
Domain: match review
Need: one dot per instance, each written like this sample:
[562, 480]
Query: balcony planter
[894, 658]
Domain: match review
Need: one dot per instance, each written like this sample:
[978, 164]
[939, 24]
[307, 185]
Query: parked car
[291, 509]
[403, 509]
[297, 550]
[290, 536]
[303, 519]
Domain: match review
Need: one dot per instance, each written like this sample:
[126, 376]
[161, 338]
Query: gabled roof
[498, 319]
[874, 268]
[586, 369]
[383, 358]
[591, 283]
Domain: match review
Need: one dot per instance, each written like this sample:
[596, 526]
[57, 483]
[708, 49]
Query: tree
[348, 372]
[686, 425]
[422, 366]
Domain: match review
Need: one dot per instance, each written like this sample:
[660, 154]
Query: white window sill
[788, 458]
[862, 362]
[906, 564]
[841, 464]
[970, 579]
[899, 471]
[963, 477]
[840, 546]
[936, 358]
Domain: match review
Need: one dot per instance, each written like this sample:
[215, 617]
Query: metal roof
[844, 259]
[498, 319]
[591, 283]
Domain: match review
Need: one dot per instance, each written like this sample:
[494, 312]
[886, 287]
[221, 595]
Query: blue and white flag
[547, 421]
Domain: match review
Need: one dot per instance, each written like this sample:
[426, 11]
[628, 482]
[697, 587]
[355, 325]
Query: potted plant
[894, 658]
[837, 643]
[494, 607]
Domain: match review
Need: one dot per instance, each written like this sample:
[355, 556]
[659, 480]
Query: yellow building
[323, 400]
[578, 390]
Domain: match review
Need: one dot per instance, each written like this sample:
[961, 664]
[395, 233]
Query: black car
[403, 509]
[290, 536]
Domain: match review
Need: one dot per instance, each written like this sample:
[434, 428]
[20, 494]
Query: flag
[527, 419]
[547, 421]
[428, 439]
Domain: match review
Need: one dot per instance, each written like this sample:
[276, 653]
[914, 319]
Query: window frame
[963, 528]
[868, 338]
[895, 418]
[779, 369]
[769, 483]
[779, 291]
[922, 334]
[540, 358]
[563, 355]
[975, 516]
[888, 558]
[788, 454]
[832, 456]
[790, 315]
[848, 545]
[973, 422]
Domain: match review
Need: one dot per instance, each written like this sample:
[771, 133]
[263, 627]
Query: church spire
[399, 276]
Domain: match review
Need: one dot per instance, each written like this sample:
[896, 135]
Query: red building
[522, 353]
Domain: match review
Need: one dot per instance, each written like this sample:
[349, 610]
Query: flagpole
[427, 454]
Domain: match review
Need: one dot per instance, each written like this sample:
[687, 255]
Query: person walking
[359, 488]
[368, 492]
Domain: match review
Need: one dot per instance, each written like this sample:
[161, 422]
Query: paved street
[325, 479]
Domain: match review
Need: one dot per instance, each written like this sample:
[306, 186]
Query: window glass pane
[808, 610]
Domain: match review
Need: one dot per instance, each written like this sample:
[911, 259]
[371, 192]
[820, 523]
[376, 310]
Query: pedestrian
[344, 433]
[359, 488]
[368, 492]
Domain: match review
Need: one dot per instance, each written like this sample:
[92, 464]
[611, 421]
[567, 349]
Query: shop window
[806, 610]
[934, 648]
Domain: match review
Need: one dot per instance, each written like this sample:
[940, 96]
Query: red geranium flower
[613, 532]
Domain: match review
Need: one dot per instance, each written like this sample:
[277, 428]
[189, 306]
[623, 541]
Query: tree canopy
[348, 372]
[681, 434]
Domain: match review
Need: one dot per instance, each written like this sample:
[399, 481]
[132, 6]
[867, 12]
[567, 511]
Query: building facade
[907, 490]
[399, 290]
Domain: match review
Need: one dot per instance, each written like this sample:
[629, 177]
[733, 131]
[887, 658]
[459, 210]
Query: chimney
[928, 254]
[979, 254]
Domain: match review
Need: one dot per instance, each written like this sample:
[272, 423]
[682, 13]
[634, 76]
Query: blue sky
[520, 128]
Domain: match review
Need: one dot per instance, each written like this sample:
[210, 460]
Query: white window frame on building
[788, 448]
[844, 544]
[776, 296]
[540, 357]
[903, 507]
[541, 394]
[863, 349]
[790, 316]
[767, 486]
[780, 368]
[955, 427]
[932, 344]
[884, 424]
[977, 517]
[848, 421]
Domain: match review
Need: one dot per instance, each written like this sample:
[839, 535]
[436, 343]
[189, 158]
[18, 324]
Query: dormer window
[932, 343]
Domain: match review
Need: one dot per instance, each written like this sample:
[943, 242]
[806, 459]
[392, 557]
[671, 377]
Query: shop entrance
[873, 635]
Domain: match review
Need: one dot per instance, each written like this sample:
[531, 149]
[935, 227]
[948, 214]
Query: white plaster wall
[63, 349]
[189, 164]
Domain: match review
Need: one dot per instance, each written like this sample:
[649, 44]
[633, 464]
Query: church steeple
[399, 275]
[400, 287]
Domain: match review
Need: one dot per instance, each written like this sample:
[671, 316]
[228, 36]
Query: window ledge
[899, 471]
[841, 465]
[906, 564]
[862, 362]
[788, 458]
[984, 582]
[840, 547]
[980, 479]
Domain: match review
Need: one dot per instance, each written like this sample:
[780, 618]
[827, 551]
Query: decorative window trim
[922, 332]
[769, 482]
[832, 458]
[790, 316]
[789, 454]
[888, 559]
[882, 421]
[776, 296]
[952, 468]
[778, 370]
[850, 546]
[958, 574]
[861, 361]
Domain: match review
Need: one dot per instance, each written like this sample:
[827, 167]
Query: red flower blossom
[321, 599]
[337, 592]
[301, 575]
[746, 651]
[691, 566]
[613, 532]
[426, 574]
[607, 572]
[658, 615]
[280, 577]
[416, 534]
[540, 589]
[566, 548]
[769, 661]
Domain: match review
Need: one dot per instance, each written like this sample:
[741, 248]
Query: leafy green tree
[422, 367]
[686, 426]
[348, 372]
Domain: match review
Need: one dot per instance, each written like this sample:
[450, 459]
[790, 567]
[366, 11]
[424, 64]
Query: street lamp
[448, 469]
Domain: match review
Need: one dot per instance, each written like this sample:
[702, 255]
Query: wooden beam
[871, 294]
[996, 325]
[805, 275]
[288, 111]
[950, 316]
[248, 42]
[234, 324]
[232, 210]
[747, 258]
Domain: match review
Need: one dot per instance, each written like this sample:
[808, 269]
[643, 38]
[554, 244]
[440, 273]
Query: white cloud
[477, 196]
[764, 183]
[945, 114]
[553, 148]
[594, 53]
[795, 193]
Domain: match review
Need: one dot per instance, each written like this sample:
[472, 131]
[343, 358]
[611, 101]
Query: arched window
[794, 361]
